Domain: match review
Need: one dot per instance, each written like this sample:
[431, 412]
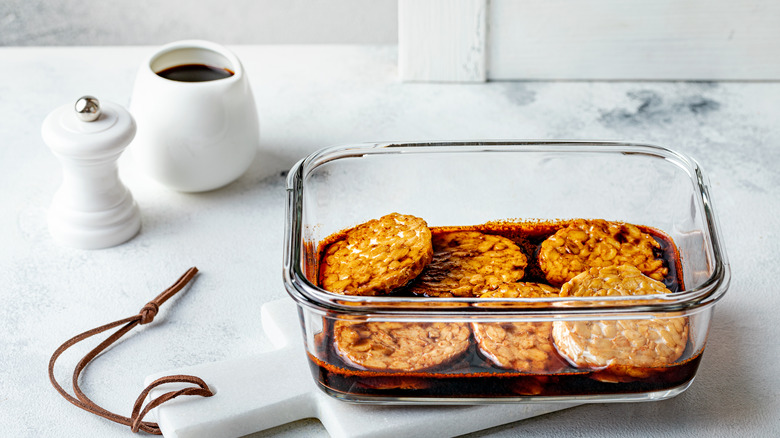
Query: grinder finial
[87, 108]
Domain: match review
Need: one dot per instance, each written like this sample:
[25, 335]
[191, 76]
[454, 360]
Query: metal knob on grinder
[87, 108]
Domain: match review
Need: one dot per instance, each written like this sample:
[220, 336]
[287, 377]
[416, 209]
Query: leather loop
[138, 414]
[145, 316]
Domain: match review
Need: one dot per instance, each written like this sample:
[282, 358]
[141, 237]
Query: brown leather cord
[145, 316]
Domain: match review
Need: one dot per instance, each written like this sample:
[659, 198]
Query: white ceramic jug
[194, 136]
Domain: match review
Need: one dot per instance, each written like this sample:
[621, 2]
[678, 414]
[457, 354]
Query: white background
[126, 22]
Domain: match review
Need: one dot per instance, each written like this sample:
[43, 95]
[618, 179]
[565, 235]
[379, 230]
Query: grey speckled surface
[315, 96]
[127, 22]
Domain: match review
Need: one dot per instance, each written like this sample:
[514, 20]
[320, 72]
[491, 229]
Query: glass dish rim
[315, 298]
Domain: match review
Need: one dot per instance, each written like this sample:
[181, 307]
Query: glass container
[535, 183]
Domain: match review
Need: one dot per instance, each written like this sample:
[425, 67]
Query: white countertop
[310, 97]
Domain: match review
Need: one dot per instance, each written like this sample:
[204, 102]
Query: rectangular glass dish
[494, 186]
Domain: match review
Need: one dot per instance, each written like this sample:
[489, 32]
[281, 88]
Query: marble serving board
[259, 392]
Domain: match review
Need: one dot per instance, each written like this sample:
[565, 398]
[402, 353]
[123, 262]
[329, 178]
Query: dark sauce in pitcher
[472, 376]
[195, 73]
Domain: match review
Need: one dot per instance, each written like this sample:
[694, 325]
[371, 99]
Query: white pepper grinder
[92, 208]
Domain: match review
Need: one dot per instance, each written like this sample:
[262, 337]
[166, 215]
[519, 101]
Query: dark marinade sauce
[474, 377]
[194, 73]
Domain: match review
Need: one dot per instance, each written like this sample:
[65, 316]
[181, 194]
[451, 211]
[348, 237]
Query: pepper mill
[92, 209]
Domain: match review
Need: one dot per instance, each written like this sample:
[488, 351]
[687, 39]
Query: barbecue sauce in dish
[472, 375]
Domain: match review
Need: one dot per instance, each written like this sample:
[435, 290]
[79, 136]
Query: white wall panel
[442, 40]
[634, 39]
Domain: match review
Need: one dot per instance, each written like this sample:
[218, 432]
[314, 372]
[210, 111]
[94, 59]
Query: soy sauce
[473, 376]
[195, 73]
